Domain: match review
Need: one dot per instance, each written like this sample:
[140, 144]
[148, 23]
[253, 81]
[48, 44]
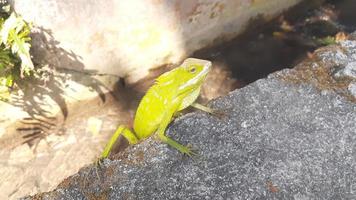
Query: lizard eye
[192, 69]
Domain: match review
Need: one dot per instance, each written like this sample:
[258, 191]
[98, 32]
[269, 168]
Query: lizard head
[192, 73]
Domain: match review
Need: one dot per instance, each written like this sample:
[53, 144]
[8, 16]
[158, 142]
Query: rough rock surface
[279, 140]
[289, 136]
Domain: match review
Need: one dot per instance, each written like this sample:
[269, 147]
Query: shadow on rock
[41, 95]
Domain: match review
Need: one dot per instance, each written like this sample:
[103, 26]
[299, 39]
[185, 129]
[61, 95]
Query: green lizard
[172, 92]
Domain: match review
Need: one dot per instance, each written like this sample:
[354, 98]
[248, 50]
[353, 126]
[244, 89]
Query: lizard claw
[98, 162]
[190, 151]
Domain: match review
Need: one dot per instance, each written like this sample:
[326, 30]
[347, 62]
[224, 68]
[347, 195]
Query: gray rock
[348, 71]
[278, 141]
[352, 89]
[336, 57]
[350, 47]
[289, 136]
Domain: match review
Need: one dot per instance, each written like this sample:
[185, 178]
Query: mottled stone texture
[280, 139]
[127, 38]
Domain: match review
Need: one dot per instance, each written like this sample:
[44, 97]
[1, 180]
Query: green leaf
[9, 81]
[14, 34]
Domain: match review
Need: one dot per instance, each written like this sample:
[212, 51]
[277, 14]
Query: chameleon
[172, 92]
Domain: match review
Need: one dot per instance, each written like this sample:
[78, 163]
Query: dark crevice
[282, 42]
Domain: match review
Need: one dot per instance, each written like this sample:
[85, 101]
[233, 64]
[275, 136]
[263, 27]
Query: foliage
[328, 40]
[15, 59]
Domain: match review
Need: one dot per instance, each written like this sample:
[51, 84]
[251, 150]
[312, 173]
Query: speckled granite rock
[289, 136]
[279, 141]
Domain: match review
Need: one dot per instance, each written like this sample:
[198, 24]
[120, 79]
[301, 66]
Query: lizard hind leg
[121, 130]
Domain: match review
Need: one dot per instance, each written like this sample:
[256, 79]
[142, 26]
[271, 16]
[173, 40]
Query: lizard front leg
[161, 134]
[214, 112]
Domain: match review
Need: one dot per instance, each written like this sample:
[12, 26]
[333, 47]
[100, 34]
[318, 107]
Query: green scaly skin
[172, 92]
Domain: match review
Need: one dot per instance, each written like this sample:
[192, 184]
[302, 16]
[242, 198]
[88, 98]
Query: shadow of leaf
[56, 68]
